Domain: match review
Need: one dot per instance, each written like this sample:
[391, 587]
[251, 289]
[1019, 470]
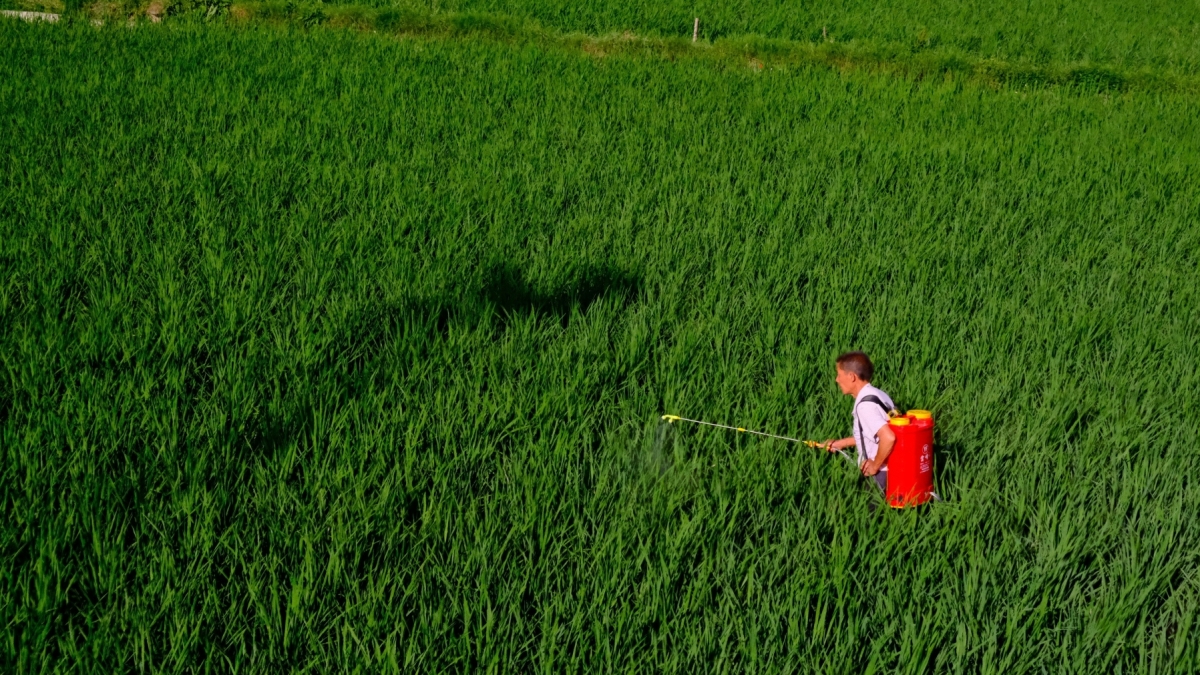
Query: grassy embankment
[1157, 50]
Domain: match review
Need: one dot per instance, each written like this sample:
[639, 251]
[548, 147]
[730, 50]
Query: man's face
[846, 380]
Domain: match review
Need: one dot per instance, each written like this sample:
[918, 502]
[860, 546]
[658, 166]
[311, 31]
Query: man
[872, 407]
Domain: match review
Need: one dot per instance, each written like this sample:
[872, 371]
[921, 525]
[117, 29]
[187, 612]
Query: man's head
[854, 371]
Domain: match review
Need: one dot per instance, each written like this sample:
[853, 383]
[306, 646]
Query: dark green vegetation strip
[920, 60]
[749, 51]
[1162, 36]
[925, 58]
[331, 351]
[1122, 34]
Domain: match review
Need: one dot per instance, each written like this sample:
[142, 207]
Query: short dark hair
[857, 363]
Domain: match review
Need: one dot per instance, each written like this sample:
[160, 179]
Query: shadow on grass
[510, 292]
[382, 342]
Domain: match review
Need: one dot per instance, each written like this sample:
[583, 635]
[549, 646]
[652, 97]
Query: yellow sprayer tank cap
[899, 421]
[920, 414]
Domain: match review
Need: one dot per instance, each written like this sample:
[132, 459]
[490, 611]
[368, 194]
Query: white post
[696, 29]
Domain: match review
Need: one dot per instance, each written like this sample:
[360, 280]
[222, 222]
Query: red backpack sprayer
[910, 466]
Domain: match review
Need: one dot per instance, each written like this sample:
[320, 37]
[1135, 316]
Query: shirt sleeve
[872, 418]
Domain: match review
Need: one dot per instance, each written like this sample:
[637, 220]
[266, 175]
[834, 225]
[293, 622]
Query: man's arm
[839, 444]
[887, 441]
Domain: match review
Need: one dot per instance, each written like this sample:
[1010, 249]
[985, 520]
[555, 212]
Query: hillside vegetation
[1124, 34]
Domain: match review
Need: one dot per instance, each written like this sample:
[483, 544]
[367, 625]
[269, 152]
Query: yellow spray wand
[671, 419]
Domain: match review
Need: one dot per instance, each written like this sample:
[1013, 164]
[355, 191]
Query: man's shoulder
[875, 392]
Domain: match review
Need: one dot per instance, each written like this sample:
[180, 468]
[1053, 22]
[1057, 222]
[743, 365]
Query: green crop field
[325, 351]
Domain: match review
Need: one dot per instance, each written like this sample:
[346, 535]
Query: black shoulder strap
[872, 398]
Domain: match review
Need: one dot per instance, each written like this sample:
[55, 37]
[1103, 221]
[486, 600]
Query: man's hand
[870, 468]
[839, 444]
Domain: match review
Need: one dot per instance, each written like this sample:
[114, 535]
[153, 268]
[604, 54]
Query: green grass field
[331, 352]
